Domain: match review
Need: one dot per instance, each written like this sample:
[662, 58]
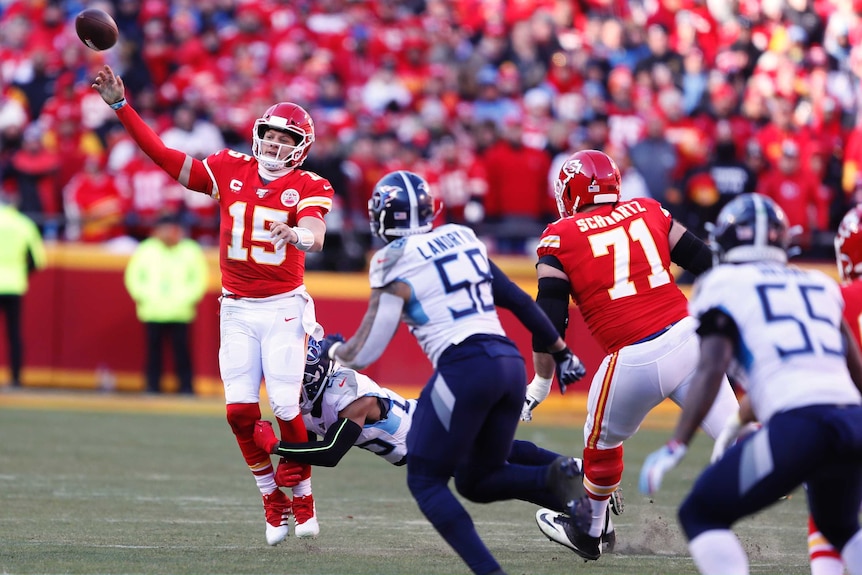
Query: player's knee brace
[241, 417]
[603, 471]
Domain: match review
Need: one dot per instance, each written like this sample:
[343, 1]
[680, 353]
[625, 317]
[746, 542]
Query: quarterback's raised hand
[658, 463]
[569, 368]
[109, 86]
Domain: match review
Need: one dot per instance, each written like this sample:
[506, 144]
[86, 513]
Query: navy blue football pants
[464, 426]
[820, 446]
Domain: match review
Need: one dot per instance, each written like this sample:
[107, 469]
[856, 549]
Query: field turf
[127, 484]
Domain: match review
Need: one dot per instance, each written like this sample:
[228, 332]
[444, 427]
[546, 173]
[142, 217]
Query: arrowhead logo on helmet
[587, 177]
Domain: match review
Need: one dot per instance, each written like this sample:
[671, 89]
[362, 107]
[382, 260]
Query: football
[96, 29]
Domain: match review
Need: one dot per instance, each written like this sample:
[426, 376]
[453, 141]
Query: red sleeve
[185, 169]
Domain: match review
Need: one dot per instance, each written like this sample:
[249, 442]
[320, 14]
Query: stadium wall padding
[80, 329]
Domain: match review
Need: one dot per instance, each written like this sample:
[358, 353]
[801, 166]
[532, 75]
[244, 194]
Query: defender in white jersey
[441, 283]
[345, 408]
[349, 409]
[780, 329]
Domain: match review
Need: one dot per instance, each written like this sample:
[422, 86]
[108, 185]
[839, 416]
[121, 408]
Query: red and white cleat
[306, 517]
[277, 506]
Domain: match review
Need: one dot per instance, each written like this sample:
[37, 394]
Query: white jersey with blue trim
[387, 437]
[791, 351]
[449, 274]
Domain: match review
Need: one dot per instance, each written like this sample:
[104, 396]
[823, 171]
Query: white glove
[537, 391]
[726, 437]
[658, 463]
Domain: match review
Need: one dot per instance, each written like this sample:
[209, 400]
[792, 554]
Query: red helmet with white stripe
[587, 177]
[286, 117]
[848, 245]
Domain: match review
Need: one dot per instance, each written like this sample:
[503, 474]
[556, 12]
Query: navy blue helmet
[401, 205]
[752, 227]
[317, 370]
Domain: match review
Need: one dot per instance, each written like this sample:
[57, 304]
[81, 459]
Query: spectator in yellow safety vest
[167, 277]
[21, 252]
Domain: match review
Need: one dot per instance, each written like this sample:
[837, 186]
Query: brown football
[96, 29]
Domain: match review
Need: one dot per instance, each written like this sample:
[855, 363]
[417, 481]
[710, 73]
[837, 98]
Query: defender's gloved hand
[569, 368]
[658, 463]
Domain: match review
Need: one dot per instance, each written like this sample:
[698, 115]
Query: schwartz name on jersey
[387, 437]
[452, 298]
[790, 351]
[617, 258]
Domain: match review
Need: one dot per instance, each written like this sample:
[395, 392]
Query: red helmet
[286, 117]
[587, 177]
[848, 245]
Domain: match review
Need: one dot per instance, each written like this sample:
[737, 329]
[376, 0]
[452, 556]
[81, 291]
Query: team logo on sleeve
[289, 198]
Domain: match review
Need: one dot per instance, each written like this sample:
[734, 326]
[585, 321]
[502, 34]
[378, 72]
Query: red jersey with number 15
[617, 258]
[251, 266]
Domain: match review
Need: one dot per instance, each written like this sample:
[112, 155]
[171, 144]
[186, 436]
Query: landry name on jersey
[617, 258]
[791, 350]
[448, 271]
[387, 437]
[251, 266]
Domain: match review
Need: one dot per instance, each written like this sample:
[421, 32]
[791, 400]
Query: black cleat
[609, 541]
[562, 529]
[566, 480]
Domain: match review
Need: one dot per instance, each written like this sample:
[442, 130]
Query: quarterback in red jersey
[613, 259]
[271, 214]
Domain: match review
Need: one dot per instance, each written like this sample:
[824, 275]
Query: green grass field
[132, 485]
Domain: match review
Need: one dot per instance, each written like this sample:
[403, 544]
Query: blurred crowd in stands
[696, 100]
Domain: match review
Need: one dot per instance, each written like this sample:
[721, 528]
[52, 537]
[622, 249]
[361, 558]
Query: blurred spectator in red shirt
[796, 190]
[72, 142]
[35, 168]
[537, 118]
[518, 203]
[625, 124]
[93, 205]
[148, 191]
[459, 180]
[780, 129]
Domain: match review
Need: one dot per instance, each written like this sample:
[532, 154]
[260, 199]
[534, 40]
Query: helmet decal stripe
[411, 193]
[761, 222]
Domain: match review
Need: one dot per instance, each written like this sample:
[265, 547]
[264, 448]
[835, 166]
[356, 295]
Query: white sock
[302, 488]
[599, 509]
[852, 554]
[718, 552]
[610, 525]
[266, 483]
[827, 566]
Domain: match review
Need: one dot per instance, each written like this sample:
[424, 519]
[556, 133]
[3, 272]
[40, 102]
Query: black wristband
[561, 355]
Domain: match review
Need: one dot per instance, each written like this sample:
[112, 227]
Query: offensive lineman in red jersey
[823, 557]
[613, 258]
[271, 214]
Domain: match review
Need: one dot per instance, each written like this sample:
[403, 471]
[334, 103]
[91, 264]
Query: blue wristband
[118, 105]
